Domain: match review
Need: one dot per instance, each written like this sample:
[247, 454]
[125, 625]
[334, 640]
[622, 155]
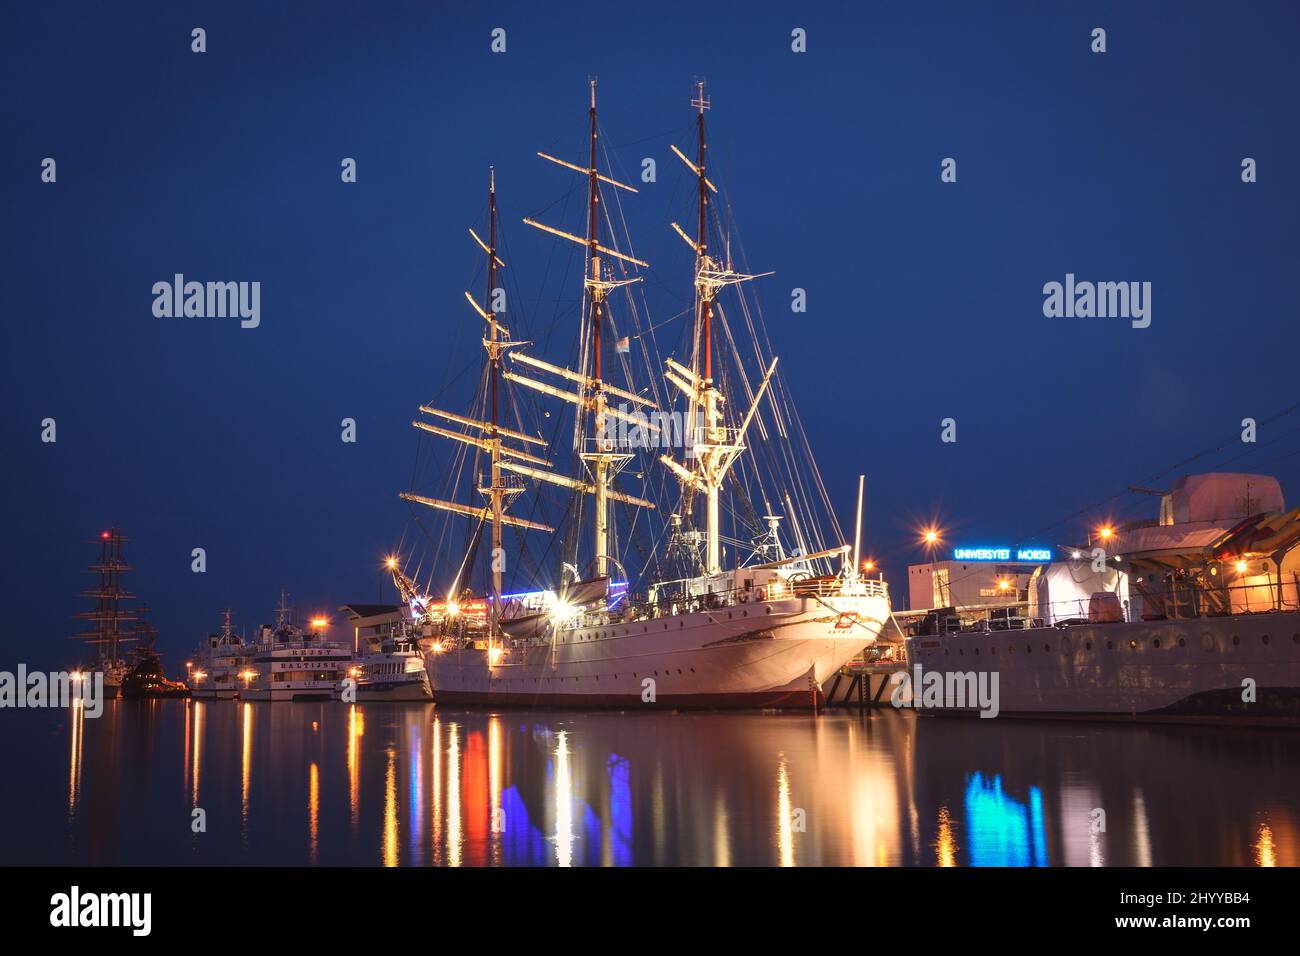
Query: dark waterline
[416, 785]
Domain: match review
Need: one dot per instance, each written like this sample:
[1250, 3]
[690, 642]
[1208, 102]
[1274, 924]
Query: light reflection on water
[414, 785]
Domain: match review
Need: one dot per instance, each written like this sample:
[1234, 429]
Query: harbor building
[981, 577]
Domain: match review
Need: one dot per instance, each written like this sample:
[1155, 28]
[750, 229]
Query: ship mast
[705, 294]
[604, 459]
[720, 446]
[600, 460]
[489, 436]
[497, 492]
[110, 612]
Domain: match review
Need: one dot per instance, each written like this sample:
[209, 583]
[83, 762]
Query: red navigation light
[104, 535]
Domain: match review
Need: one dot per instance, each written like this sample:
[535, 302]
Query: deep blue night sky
[925, 299]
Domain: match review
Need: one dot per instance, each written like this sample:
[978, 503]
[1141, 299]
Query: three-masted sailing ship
[693, 626]
[110, 619]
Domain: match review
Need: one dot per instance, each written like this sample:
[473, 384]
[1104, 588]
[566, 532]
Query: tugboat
[147, 680]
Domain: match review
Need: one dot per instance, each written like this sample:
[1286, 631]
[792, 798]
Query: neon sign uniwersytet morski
[1001, 554]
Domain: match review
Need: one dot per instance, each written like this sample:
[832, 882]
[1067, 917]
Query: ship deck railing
[1182, 602]
[668, 605]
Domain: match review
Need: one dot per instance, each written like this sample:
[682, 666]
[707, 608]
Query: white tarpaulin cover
[1063, 590]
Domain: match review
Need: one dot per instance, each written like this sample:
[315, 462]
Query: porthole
[1132, 645]
[1156, 643]
[1110, 645]
[977, 652]
[960, 652]
[1236, 640]
[1182, 642]
[945, 652]
[1264, 638]
[1028, 649]
[1047, 648]
[1087, 645]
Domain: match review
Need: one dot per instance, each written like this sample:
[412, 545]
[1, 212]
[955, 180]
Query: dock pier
[861, 685]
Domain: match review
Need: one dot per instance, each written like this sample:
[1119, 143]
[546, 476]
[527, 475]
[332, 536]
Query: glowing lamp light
[560, 609]
[1004, 585]
[1241, 567]
[495, 653]
[248, 676]
[320, 622]
[436, 647]
[198, 676]
[104, 535]
[931, 536]
[354, 672]
[452, 608]
[1106, 532]
[77, 677]
[868, 565]
[390, 563]
[1076, 555]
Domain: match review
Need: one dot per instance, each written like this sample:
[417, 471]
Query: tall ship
[744, 595]
[295, 663]
[1193, 616]
[110, 627]
[223, 666]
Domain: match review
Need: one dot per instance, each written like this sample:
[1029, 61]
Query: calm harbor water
[417, 785]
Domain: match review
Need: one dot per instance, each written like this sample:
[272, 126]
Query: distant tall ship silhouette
[108, 631]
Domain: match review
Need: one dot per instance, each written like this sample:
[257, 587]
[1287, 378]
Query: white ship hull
[394, 691]
[760, 654]
[289, 691]
[214, 693]
[1196, 673]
